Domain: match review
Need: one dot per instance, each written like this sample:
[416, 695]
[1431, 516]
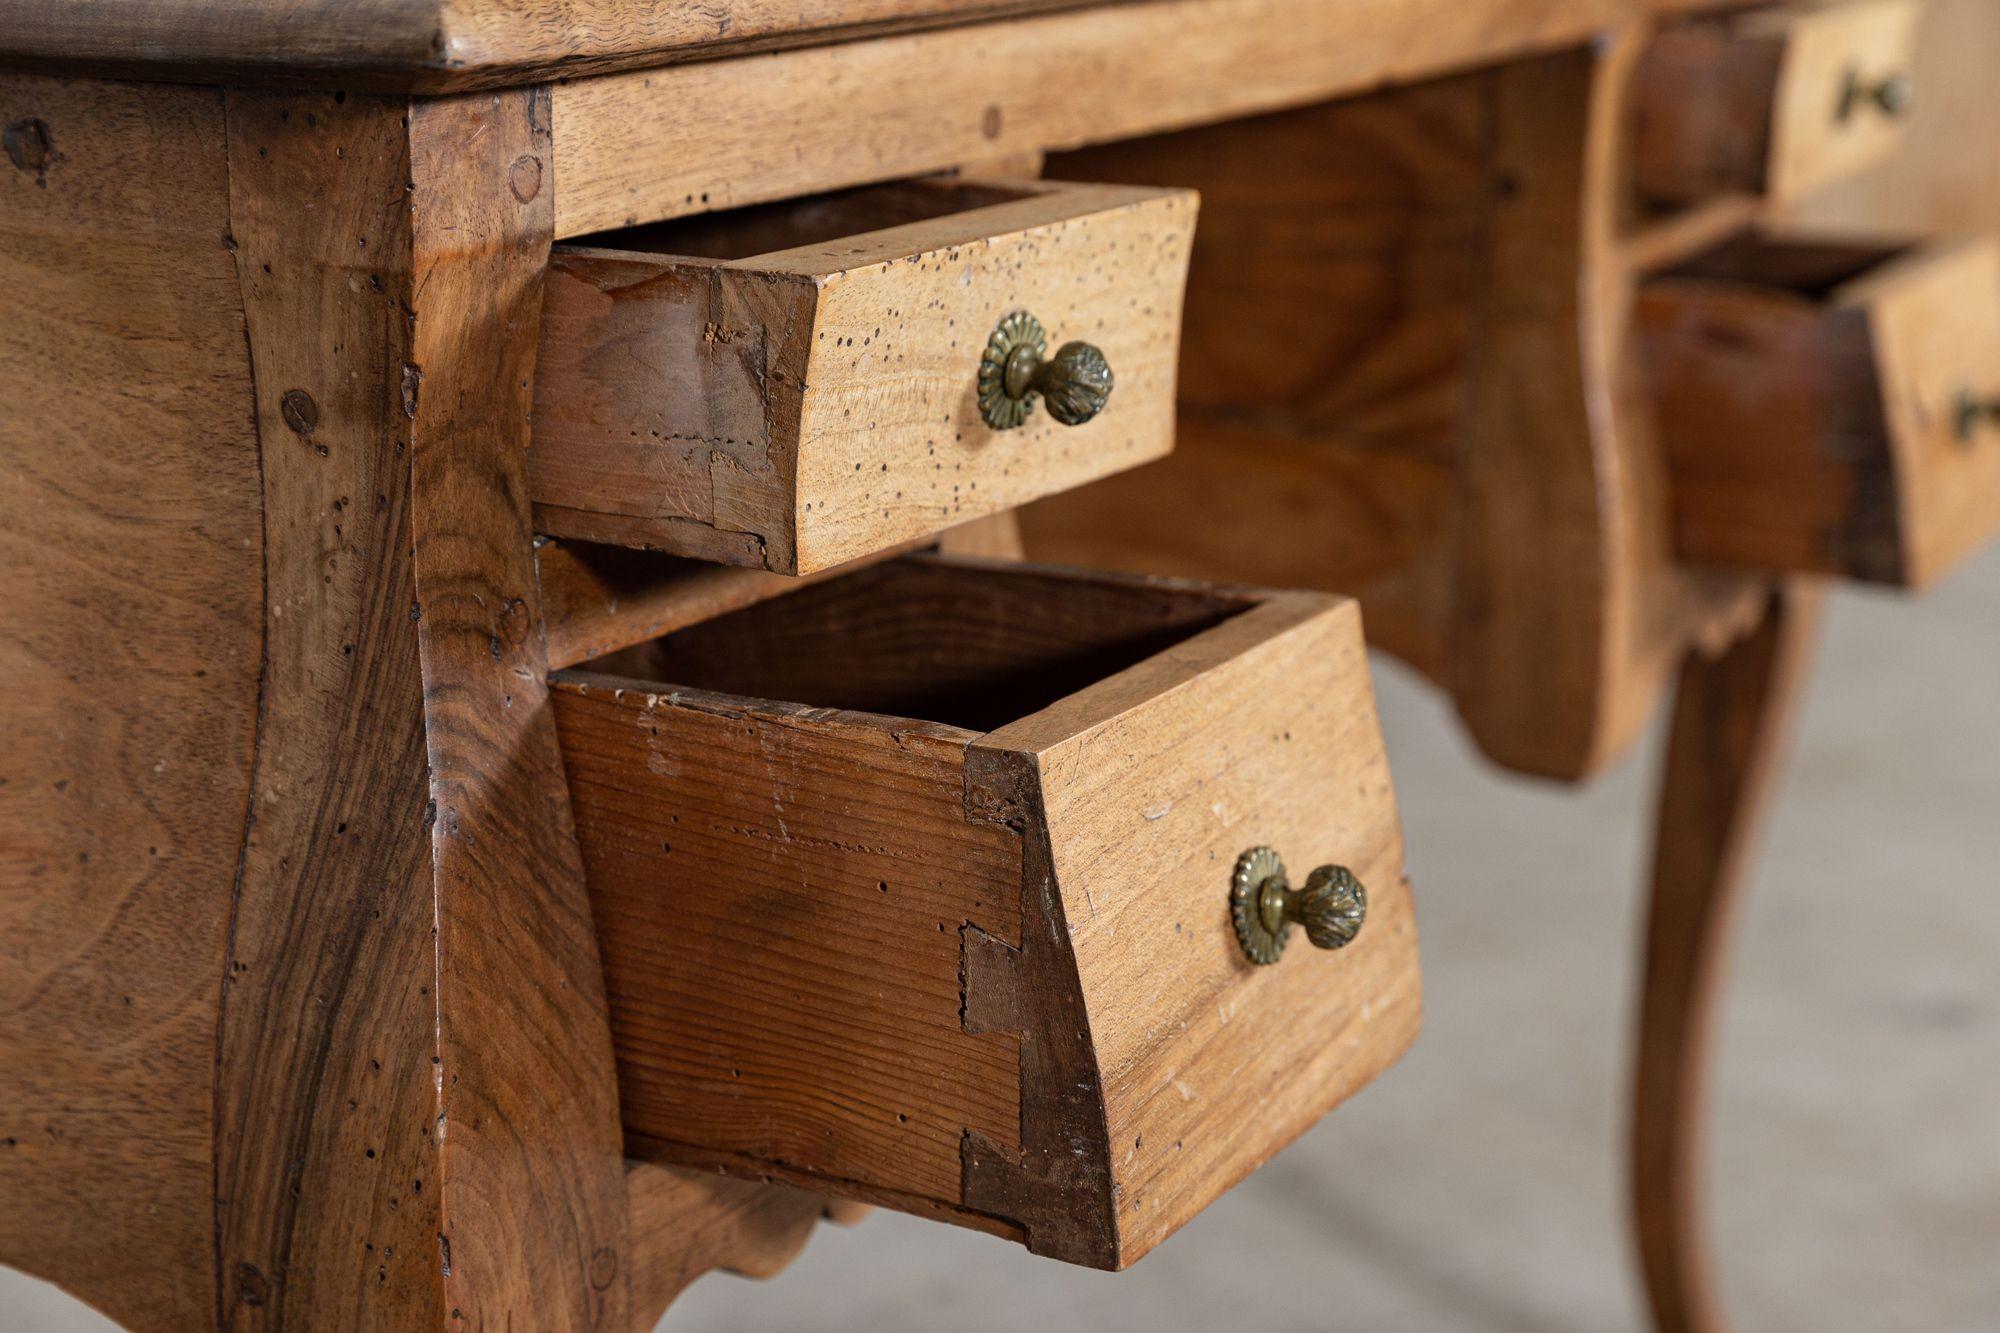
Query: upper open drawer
[937, 885]
[1776, 102]
[1829, 408]
[797, 385]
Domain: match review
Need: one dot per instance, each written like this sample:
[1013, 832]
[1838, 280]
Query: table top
[435, 46]
[438, 45]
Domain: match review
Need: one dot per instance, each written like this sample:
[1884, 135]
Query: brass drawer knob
[1892, 96]
[1332, 906]
[1014, 371]
[1973, 411]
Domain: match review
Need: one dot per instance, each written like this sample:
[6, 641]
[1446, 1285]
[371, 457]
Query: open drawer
[1830, 409]
[920, 886]
[801, 384]
[1776, 102]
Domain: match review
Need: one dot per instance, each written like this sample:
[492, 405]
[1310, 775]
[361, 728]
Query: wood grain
[1569, 588]
[1934, 185]
[1281, 507]
[862, 950]
[1807, 398]
[815, 403]
[1935, 324]
[413, 1045]
[973, 643]
[304, 896]
[1325, 362]
[1451, 424]
[1814, 145]
[599, 599]
[1259, 731]
[1547, 505]
[534, 1203]
[687, 1223]
[814, 119]
[324, 1065]
[1703, 111]
[1730, 727]
[1753, 103]
[435, 45]
[130, 638]
[781, 891]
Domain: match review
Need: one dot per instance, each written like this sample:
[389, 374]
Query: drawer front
[798, 407]
[989, 973]
[1773, 104]
[1148, 788]
[1839, 419]
[1934, 331]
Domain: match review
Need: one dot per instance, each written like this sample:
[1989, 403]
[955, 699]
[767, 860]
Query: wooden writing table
[305, 1006]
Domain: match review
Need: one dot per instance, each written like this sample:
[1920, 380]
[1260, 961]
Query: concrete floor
[1478, 1186]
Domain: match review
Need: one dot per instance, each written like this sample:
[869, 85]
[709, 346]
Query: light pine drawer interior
[797, 385]
[915, 886]
[1830, 408]
[1776, 102]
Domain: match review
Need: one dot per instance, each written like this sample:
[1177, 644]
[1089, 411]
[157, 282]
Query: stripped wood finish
[1813, 405]
[785, 124]
[1552, 548]
[326, 1028]
[1759, 103]
[817, 1028]
[796, 387]
[265, 913]
[436, 46]
[1326, 357]
[534, 1226]
[687, 1223]
[1933, 185]
[598, 599]
[324, 1054]
[1262, 730]
[131, 637]
[859, 910]
[1453, 427]
[482, 913]
[1730, 727]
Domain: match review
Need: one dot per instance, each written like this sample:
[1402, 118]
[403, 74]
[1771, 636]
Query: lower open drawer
[916, 886]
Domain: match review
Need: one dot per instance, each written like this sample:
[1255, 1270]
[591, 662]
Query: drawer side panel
[662, 416]
[779, 894]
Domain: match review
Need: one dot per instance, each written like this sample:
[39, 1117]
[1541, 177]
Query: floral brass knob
[1015, 371]
[1332, 906]
[1892, 96]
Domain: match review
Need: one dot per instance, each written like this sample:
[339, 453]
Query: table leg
[1729, 729]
